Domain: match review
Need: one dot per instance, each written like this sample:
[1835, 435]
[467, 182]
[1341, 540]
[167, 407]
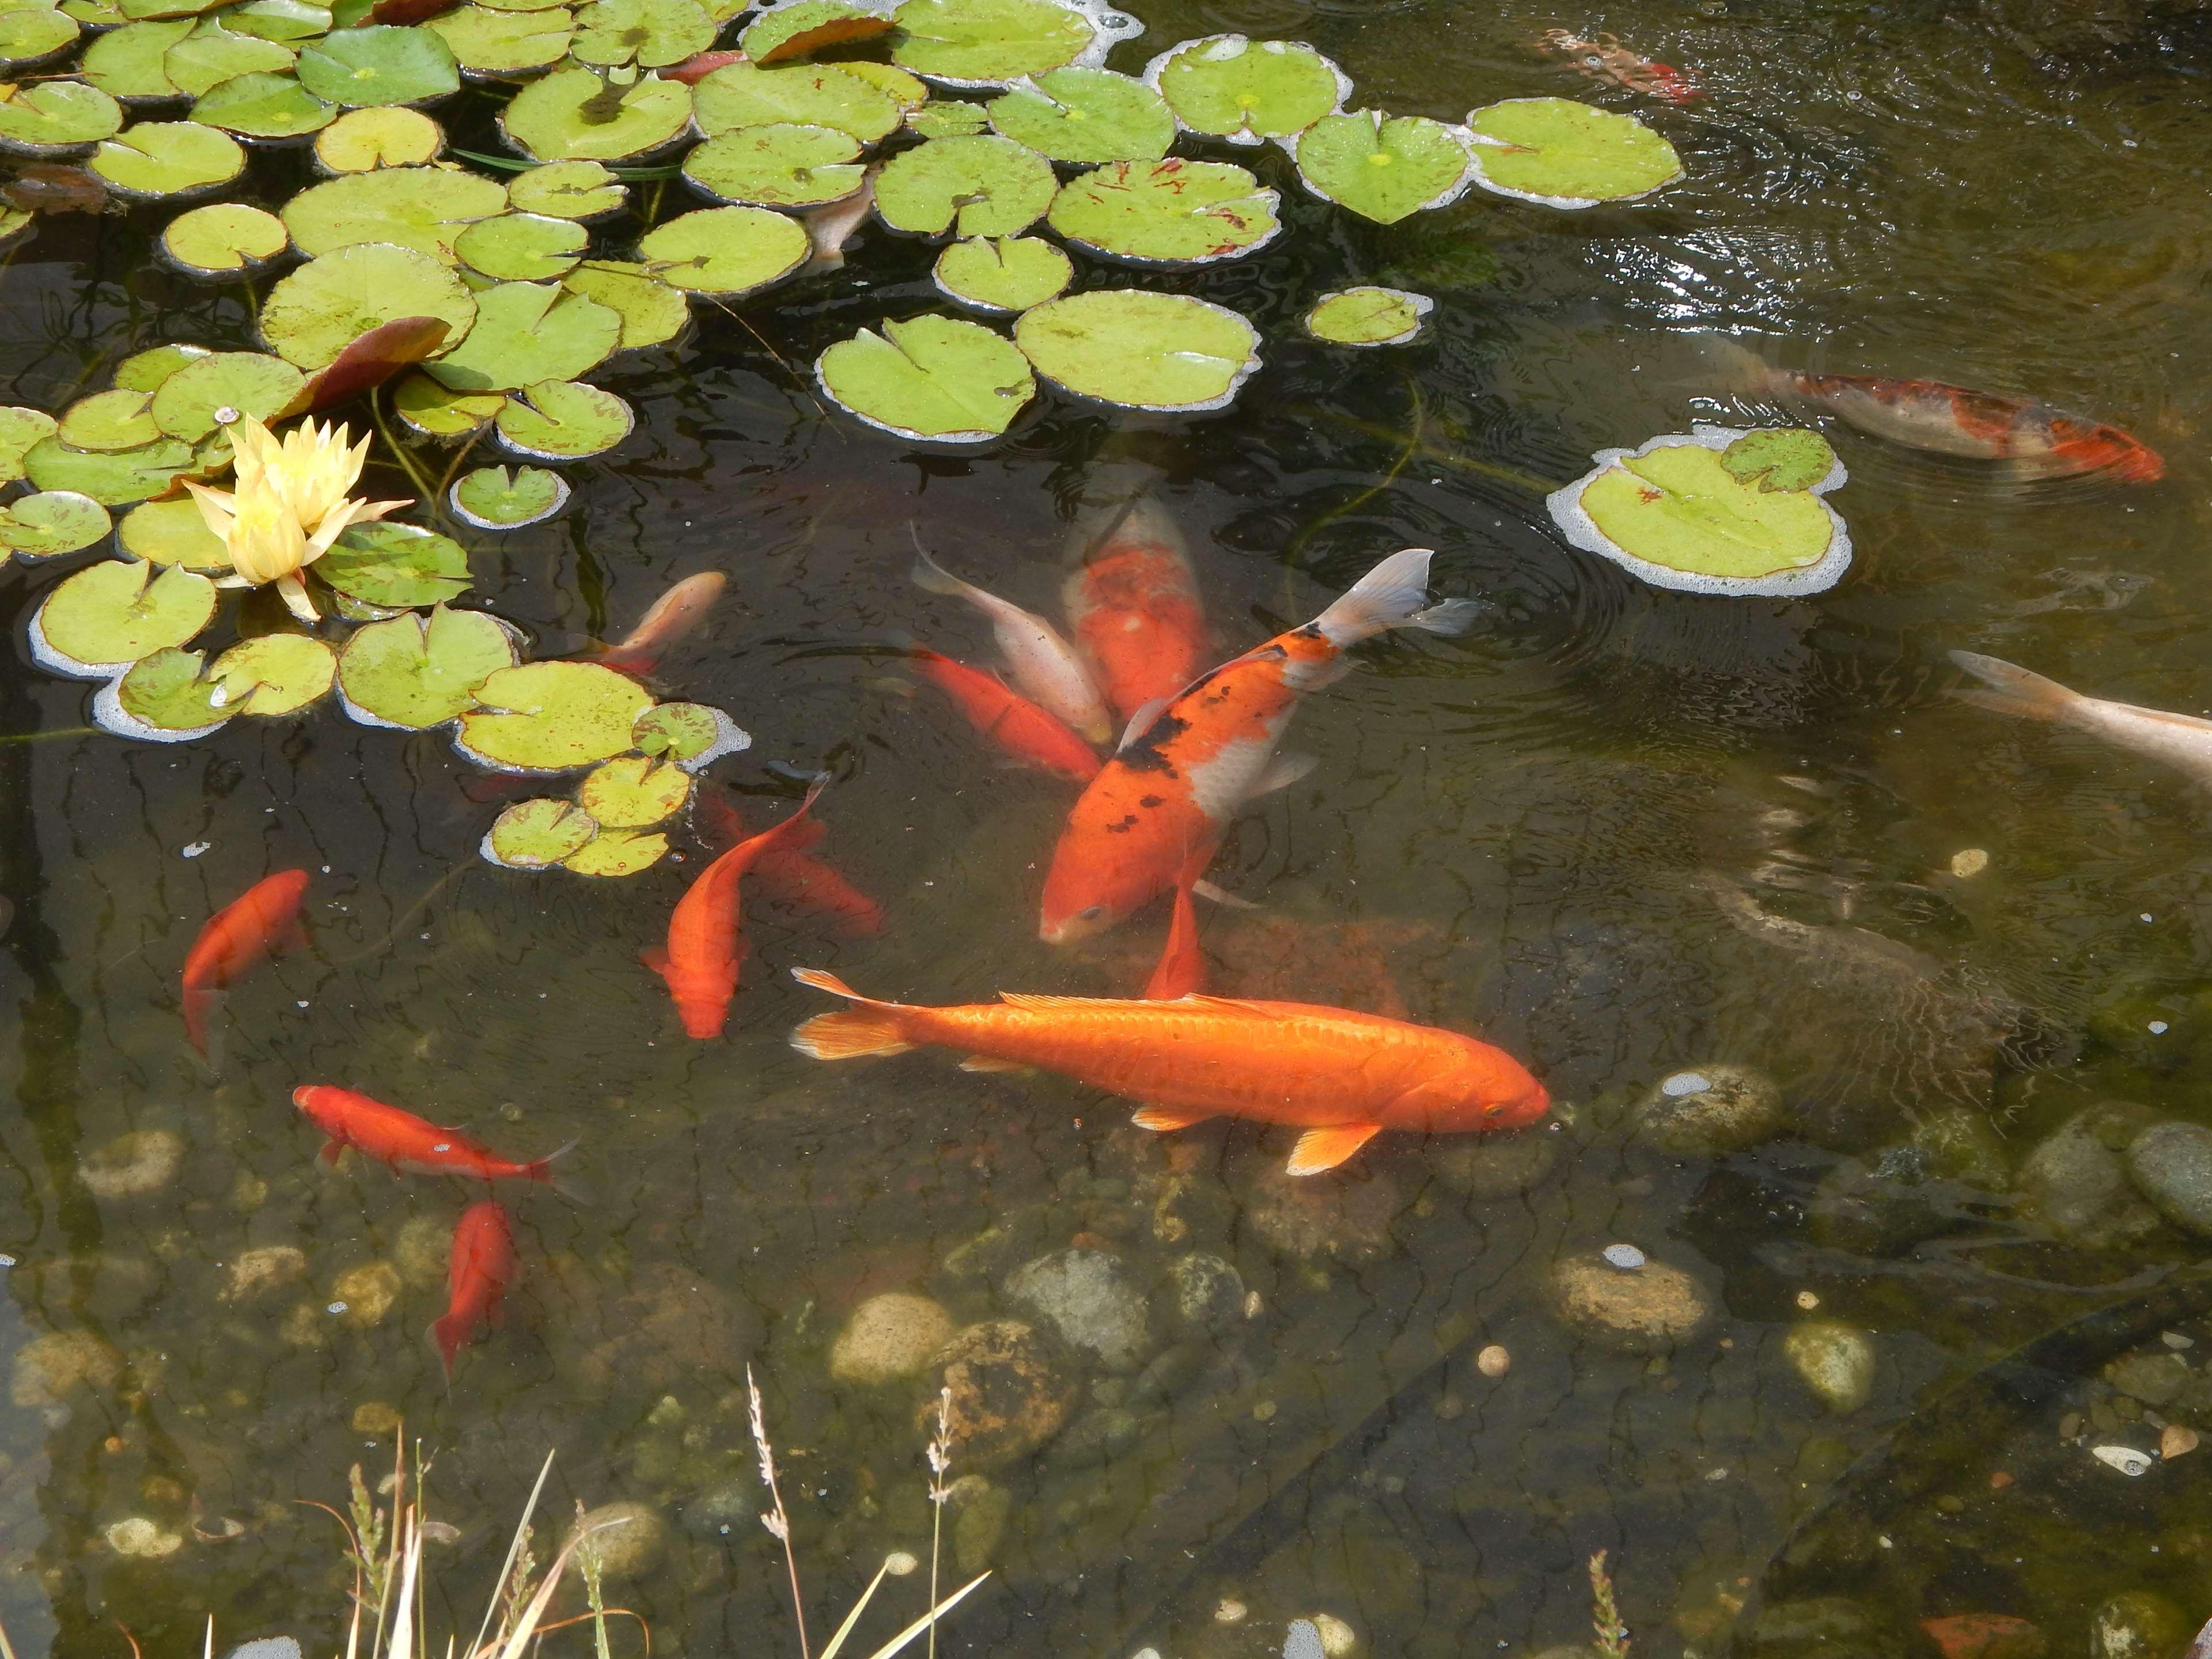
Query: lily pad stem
[438, 502]
[253, 305]
[43, 737]
[1314, 527]
[423, 492]
[1451, 458]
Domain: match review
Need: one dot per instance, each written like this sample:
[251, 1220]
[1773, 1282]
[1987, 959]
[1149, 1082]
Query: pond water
[1625, 834]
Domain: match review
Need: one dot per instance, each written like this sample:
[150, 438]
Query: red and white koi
[478, 1270]
[1602, 57]
[672, 616]
[1134, 607]
[1044, 666]
[251, 928]
[394, 1136]
[2181, 741]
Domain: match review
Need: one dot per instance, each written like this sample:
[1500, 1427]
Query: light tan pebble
[369, 1292]
[630, 1538]
[374, 1417]
[1231, 1612]
[271, 1268]
[899, 1563]
[1969, 862]
[1807, 1301]
[1263, 1411]
[423, 1251]
[1338, 1639]
[140, 1537]
[49, 1368]
[2177, 1440]
[1253, 1305]
[1493, 1361]
[888, 1337]
[131, 1165]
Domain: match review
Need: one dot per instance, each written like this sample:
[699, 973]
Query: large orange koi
[258, 923]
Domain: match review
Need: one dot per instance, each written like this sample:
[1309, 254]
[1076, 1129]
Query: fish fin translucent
[993, 1063]
[1160, 1119]
[1321, 1150]
[1393, 595]
[447, 1334]
[541, 1168]
[332, 1152]
[851, 1034]
[199, 1001]
[1213, 895]
[2013, 690]
[1227, 1005]
[655, 957]
[1142, 721]
[1180, 970]
[823, 980]
[1038, 1002]
[928, 574]
[1282, 772]
[1741, 369]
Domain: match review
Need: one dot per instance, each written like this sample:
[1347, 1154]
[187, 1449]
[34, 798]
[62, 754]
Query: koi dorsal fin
[1321, 1150]
[1224, 1005]
[1142, 721]
[1036, 1002]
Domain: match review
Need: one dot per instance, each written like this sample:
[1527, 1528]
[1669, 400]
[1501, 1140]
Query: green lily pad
[316, 311]
[984, 187]
[491, 498]
[126, 63]
[31, 34]
[284, 20]
[525, 333]
[1175, 212]
[145, 371]
[275, 674]
[217, 389]
[725, 251]
[1368, 316]
[57, 521]
[136, 10]
[379, 66]
[489, 42]
[93, 14]
[551, 717]
[534, 835]
[22, 429]
[109, 615]
[1780, 458]
[415, 671]
[986, 43]
[634, 793]
[571, 115]
[1672, 514]
[1010, 274]
[692, 734]
[948, 119]
[396, 566]
[803, 27]
[364, 140]
[778, 165]
[894, 82]
[581, 190]
[617, 852]
[48, 118]
[1086, 115]
[263, 106]
[109, 421]
[1228, 86]
[1567, 154]
[651, 313]
[653, 34]
[172, 532]
[212, 54]
[564, 421]
[425, 209]
[794, 95]
[167, 158]
[117, 480]
[937, 377]
[222, 239]
[13, 221]
[436, 411]
[1167, 352]
[1382, 169]
[161, 699]
[522, 247]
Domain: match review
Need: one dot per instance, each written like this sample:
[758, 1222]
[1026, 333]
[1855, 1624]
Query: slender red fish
[707, 946]
[406, 1142]
[477, 1273]
[1133, 608]
[1020, 728]
[796, 877]
[256, 924]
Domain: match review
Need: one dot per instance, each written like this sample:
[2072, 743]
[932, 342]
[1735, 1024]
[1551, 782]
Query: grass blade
[927, 1619]
[513, 1548]
[837, 1641]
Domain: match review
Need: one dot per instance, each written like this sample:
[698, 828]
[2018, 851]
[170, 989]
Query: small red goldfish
[1029, 734]
[1985, 1636]
[670, 616]
[1044, 666]
[1183, 774]
[1181, 971]
[707, 946]
[477, 1273]
[397, 1137]
[1601, 58]
[798, 878]
[1132, 605]
[1340, 1076]
[256, 924]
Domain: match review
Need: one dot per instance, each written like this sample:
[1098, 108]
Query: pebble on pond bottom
[1493, 1361]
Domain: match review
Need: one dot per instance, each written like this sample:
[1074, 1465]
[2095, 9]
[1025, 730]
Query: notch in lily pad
[54, 522]
[275, 674]
[415, 673]
[493, 498]
[394, 566]
[989, 43]
[1227, 86]
[632, 791]
[107, 616]
[551, 717]
[1368, 317]
[1567, 154]
[1171, 353]
[1008, 275]
[940, 378]
[1676, 513]
[1085, 115]
[692, 734]
[537, 834]
[1382, 168]
[162, 698]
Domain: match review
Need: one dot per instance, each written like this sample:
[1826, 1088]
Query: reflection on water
[1627, 834]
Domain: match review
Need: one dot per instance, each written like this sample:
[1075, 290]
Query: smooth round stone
[631, 1537]
[1088, 1296]
[1011, 1392]
[1648, 1311]
[1209, 1293]
[140, 1537]
[2171, 1166]
[1345, 1217]
[1626, 1257]
[1837, 1362]
[256, 1273]
[2076, 1180]
[889, 1337]
[49, 1369]
[369, 1292]
[1708, 1110]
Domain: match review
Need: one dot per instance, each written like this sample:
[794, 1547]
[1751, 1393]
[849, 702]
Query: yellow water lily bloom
[288, 503]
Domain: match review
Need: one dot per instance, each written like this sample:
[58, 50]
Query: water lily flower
[288, 503]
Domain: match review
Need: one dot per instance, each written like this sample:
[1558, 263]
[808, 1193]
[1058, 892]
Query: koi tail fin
[447, 1334]
[873, 1028]
[2013, 690]
[1740, 370]
[540, 1169]
[1393, 595]
[198, 1001]
[795, 832]
[933, 576]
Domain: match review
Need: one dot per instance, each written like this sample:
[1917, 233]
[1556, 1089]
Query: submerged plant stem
[1451, 458]
[406, 461]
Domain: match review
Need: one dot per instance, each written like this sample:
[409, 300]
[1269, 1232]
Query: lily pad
[172, 532]
[55, 522]
[490, 42]
[161, 699]
[525, 333]
[1167, 352]
[1780, 458]
[109, 421]
[948, 119]
[983, 186]
[1010, 274]
[1368, 317]
[142, 371]
[109, 615]
[126, 63]
[212, 54]
[316, 311]
[436, 411]
[795, 95]
[263, 106]
[804, 27]
[634, 793]
[1567, 154]
[523, 247]
[581, 190]
[167, 158]
[1384, 169]
[571, 115]
[984, 43]
[653, 34]
[491, 498]
[282, 20]
[216, 389]
[21, 430]
[415, 672]
[651, 313]
[379, 65]
[725, 251]
[617, 852]
[1672, 513]
[395, 566]
[275, 674]
[31, 34]
[115, 480]
[937, 377]
[778, 165]
[1086, 115]
[563, 421]
[692, 734]
[223, 239]
[425, 209]
[369, 361]
[1226, 85]
[894, 82]
[534, 835]
[1175, 212]
[47, 118]
[363, 140]
[551, 717]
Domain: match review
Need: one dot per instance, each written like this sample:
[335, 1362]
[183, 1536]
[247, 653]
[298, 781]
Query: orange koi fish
[707, 946]
[397, 1137]
[1044, 666]
[256, 925]
[670, 616]
[1133, 606]
[1029, 734]
[798, 878]
[477, 1273]
[1341, 1077]
[1183, 772]
[1181, 971]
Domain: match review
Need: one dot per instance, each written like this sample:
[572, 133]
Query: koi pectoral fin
[332, 1152]
[1321, 1150]
[993, 1063]
[655, 958]
[1226, 899]
[1282, 772]
[1162, 1118]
